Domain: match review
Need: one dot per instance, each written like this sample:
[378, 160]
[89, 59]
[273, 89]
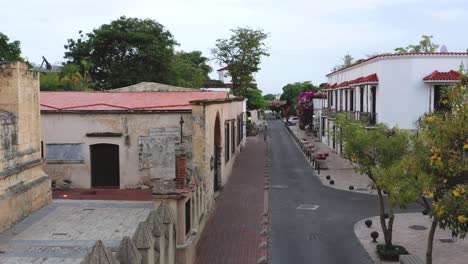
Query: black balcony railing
[369, 119]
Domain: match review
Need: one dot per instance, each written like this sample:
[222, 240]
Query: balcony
[369, 119]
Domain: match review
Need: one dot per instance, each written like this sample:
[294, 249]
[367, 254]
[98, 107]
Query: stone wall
[145, 140]
[24, 187]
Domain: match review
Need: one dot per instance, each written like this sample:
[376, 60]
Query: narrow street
[324, 235]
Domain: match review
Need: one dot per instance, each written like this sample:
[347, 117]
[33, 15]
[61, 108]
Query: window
[65, 152]
[187, 217]
[330, 101]
[351, 100]
[226, 142]
[439, 95]
[233, 135]
[335, 98]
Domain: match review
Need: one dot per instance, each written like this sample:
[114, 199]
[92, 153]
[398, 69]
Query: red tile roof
[443, 76]
[105, 101]
[372, 78]
[405, 54]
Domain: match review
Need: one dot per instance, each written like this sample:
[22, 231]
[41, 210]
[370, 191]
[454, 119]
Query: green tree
[347, 60]
[269, 97]
[124, 52]
[437, 167]
[69, 79]
[290, 93]
[9, 51]
[242, 54]
[369, 149]
[425, 45]
[189, 69]
[254, 98]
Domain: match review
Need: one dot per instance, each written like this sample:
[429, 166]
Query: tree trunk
[385, 231]
[430, 241]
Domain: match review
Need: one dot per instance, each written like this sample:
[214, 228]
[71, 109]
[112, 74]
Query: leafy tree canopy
[242, 54]
[269, 97]
[254, 98]
[125, 52]
[292, 90]
[425, 45]
[9, 51]
[189, 69]
[69, 79]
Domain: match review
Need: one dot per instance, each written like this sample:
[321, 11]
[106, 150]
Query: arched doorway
[105, 169]
[217, 154]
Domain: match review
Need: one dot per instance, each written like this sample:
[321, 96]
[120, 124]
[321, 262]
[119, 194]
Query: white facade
[401, 95]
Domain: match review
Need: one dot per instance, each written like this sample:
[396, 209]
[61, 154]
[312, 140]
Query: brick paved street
[232, 234]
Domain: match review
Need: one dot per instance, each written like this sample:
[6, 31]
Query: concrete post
[128, 252]
[156, 229]
[144, 242]
[99, 254]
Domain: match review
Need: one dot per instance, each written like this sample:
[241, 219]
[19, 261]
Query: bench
[410, 259]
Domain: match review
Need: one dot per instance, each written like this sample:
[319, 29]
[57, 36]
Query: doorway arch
[105, 168]
[217, 154]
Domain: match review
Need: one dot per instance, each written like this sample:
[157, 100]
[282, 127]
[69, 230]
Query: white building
[395, 89]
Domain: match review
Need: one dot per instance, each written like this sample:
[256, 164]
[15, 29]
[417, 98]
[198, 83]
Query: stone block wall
[24, 187]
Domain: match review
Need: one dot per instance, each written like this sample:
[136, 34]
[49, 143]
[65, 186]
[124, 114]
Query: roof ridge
[398, 55]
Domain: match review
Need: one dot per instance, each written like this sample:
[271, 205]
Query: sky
[307, 37]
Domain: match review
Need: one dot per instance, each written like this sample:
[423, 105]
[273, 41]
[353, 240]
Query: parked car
[293, 120]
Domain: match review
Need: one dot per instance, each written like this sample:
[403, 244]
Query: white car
[293, 120]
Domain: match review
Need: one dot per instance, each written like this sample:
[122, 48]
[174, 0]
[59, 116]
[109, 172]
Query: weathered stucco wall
[138, 133]
[204, 119]
[24, 187]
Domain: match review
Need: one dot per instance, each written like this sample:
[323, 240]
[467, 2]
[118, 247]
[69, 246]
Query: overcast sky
[308, 37]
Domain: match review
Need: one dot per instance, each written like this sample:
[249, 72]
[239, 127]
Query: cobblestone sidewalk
[233, 232]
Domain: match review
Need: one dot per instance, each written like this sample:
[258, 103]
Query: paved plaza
[65, 230]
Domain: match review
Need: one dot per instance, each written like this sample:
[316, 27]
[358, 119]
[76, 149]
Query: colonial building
[181, 144]
[24, 187]
[396, 89]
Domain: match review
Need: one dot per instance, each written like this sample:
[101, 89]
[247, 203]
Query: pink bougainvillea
[305, 107]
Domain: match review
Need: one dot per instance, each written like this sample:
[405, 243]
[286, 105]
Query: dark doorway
[333, 138]
[217, 154]
[374, 99]
[105, 169]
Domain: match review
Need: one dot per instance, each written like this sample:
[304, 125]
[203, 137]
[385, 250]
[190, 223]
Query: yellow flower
[462, 88]
[459, 190]
[444, 101]
[440, 211]
[462, 219]
[428, 193]
[465, 146]
[444, 180]
[430, 119]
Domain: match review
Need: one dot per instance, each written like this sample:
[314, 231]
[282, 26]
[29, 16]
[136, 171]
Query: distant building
[396, 89]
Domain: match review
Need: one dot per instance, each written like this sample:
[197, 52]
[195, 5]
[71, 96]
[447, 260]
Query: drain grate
[362, 189]
[446, 240]
[417, 227]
